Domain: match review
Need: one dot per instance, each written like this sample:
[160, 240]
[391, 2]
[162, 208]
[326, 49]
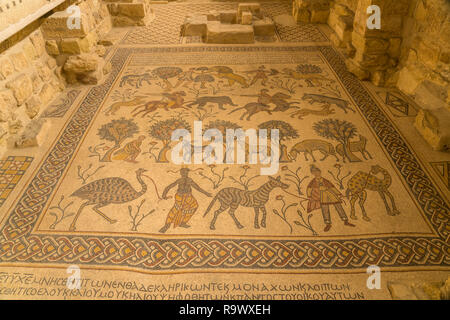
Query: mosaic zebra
[233, 198]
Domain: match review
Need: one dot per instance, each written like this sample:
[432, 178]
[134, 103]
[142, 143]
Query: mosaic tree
[286, 131]
[116, 131]
[166, 73]
[341, 131]
[162, 131]
[203, 79]
[308, 69]
[222, 126]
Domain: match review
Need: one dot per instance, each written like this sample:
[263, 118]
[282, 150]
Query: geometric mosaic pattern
[11, 171]
[300, 33]
[443, 170]
[18, 243]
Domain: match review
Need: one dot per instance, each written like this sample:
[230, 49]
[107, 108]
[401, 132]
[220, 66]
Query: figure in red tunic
[322, 193]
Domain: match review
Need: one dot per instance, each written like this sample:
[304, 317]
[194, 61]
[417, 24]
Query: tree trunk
[162, 157]
[284, 157]
[168, 85]
[107, 156]
[348, 153]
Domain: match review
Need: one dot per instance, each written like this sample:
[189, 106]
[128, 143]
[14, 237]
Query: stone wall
[411, 47]
[425, 69]
[411, 51]
[77, 51]
[29, 80]
[40, 60]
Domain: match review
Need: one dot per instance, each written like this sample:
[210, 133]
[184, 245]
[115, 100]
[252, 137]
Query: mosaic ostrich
[107, 191]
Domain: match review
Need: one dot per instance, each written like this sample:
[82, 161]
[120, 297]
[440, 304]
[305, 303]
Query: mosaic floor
[103, 194]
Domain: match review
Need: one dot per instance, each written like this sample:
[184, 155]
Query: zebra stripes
[232, 198]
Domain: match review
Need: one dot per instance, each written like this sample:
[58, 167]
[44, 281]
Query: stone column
[377, 51]
[311, 11]
[342, 15]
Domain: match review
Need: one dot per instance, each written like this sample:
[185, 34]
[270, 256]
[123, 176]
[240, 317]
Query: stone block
[52, 47]
[400, 291]
[354, 68]
[4, 115]
[14, 124]
[44, 72]
[47, 93]
[51, 63]
[88, 43]
[32, 107]
[264, 27]
[124, 21]
[229, 33]
[70, 46]
[82, 63]
[369, 45]
[19, 61]
[213, 15]
[246, 18]
[434, 127]
[430, 95]
[57, 27]
[228, 16]
[319, 16]
[22, 88]
[428, 54]
[30, 51]
[6, 68]
[253, 7]
[107, 68]
[37, 82]
[92, 78]
[100, 50]
[407, 81]
[7, 100]
[132, 10]
[195, 26]
[38, 42]
[394, 49]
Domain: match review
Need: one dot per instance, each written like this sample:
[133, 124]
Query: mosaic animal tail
[232, 198]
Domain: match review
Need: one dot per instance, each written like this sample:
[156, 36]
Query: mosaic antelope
[233, 198]
[355, 146]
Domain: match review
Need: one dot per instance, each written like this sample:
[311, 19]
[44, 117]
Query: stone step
[229, 33]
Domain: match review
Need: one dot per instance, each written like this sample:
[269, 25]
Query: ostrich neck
[143, 184]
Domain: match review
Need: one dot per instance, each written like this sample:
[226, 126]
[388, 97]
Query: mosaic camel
[362, 181]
